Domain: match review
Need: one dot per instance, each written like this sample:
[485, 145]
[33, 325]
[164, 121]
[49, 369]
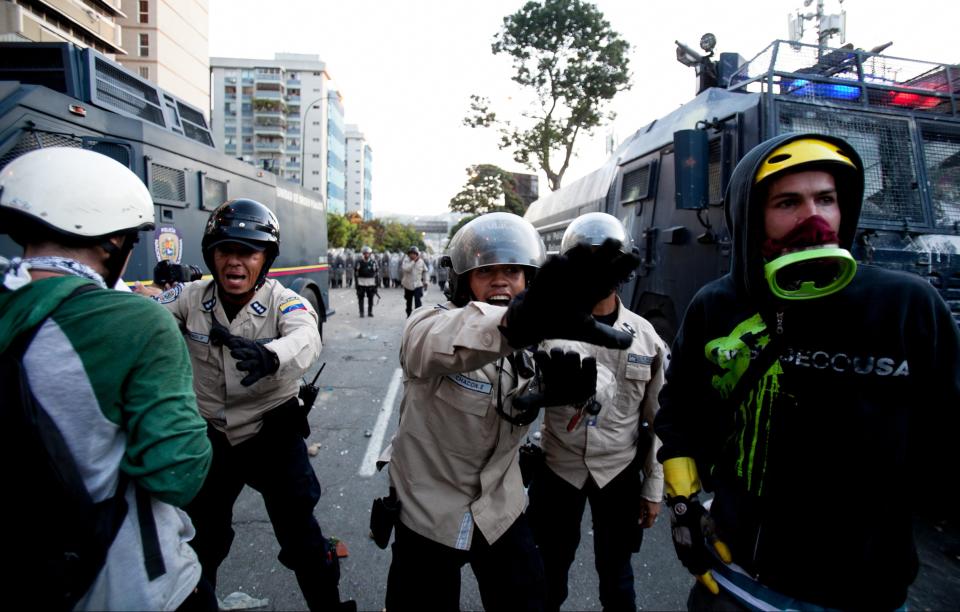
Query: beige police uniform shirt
[413, 273]
[276, 317]
[454, 460]
[629, 382]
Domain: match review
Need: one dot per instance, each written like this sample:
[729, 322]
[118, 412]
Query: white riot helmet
[592, 229]
[491, 239]
[79, 197]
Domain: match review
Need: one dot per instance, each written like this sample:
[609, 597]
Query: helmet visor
[593, 229]
[496, 238]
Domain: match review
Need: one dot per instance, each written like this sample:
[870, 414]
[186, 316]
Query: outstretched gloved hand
[253, 358]
[564, 379]
[692, 526]
[561, 298]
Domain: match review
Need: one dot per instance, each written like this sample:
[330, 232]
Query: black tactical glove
[561, 298]
[253, 358]
[564, 379]
[692, 530]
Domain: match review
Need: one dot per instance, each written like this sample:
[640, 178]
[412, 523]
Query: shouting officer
[250, 341]
[608, 458]
[454, 459]
[368, 278]
[126, 419]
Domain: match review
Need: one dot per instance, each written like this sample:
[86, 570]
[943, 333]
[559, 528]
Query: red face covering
[814, 231]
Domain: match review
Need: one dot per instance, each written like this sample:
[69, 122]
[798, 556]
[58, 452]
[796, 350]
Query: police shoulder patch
[170, 295]
[209, 304]
[290, 305]
[258, 308]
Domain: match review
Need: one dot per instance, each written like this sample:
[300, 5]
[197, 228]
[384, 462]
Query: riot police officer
[454, 460]
[250, 340]
[368, 278]
[609, 458]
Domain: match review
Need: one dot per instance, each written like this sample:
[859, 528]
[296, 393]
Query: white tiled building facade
[282, 115]
[359, 173]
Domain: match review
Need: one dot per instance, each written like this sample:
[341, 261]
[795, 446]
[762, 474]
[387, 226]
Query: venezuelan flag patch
[291, 305]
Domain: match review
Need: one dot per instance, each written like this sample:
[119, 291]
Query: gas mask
[815, 267]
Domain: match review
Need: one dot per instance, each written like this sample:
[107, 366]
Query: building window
[144, 11]
[144, 45]
[145, 72]
[316, 156]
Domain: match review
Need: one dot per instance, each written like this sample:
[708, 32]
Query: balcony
[267, 94]
[269, 130]
[267, 77]
[269, 145]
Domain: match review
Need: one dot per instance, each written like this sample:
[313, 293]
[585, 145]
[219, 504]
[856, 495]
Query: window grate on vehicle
[636, 185]
[941, 156]
[126, 94]
[715, 189]
[31, 141]
[891, 195]
[168, 183]
[214, 193]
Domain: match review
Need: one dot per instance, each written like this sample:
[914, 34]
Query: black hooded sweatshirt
[817, 468]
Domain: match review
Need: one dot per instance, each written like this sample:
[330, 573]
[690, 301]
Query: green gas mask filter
[811, 273]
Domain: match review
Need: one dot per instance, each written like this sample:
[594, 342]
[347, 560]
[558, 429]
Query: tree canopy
[488, 189]
[568, 55]
[351, 231]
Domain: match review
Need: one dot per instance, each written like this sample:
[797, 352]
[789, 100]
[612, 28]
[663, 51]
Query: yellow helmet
[799, 152]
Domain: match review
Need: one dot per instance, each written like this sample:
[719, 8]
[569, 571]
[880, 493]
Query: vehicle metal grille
[941, 156]
[30, 141]
[891, 194]
[167, 183]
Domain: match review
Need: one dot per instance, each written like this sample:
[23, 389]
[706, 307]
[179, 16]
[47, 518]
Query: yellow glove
[692, 526]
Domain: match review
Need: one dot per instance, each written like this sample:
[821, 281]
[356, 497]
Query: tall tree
[488, 189]
[567, 53]
[339, 230]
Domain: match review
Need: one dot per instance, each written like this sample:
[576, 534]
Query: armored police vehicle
[666, 181]
[58, 95]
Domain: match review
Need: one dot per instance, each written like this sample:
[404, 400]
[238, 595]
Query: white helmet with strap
[75, 192]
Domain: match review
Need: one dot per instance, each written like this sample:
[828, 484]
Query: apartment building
[283, 115]
[359, 173]
[167, 42]
[94, 24]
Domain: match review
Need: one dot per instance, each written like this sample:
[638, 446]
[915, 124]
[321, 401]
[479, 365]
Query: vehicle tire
[311, 297]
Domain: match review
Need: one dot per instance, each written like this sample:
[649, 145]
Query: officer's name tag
[641, 359]
[199, 337]
[469, 383]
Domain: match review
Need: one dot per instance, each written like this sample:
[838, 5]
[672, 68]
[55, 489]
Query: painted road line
[369, 465]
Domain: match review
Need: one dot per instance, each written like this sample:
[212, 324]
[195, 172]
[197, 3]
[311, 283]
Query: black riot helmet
[492, 239]
[245, 222]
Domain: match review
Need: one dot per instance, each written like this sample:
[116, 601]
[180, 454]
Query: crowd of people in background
[342, 263]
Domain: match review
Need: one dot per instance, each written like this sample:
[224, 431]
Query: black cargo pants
[275, 463]
[555, 512]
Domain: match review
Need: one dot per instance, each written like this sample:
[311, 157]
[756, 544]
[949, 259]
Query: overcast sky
[406, 68]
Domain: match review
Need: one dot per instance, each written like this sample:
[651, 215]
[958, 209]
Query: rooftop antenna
[827, 26]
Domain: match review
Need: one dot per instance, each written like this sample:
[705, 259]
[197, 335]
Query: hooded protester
[795, 376]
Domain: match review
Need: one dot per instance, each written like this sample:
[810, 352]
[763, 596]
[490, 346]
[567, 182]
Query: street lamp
[303, 139]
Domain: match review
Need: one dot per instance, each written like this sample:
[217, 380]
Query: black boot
[320, 581]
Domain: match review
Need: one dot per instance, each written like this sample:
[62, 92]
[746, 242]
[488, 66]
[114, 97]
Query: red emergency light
[913, 100]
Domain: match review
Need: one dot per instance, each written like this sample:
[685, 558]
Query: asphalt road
[361, 357]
